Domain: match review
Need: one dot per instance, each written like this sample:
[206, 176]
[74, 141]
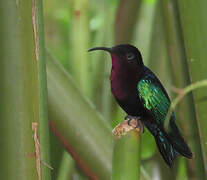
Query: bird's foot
[138, 122]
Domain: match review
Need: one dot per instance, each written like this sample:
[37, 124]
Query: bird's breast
[124, 89]
[121, 85]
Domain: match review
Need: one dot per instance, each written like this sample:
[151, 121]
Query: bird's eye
[130, 56]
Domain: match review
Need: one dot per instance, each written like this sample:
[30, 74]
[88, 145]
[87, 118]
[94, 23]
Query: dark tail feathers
[165, 147]
[177, 140]
[170, 144]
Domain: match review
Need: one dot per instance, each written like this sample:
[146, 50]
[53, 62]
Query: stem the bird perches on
[127, 150]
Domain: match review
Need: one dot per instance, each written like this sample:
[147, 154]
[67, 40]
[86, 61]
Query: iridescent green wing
[154, 98]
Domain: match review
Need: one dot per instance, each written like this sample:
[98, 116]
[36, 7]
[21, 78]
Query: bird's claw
[129, 118]
[138, 122]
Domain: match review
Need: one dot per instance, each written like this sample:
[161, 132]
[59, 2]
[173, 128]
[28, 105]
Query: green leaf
[78, 123]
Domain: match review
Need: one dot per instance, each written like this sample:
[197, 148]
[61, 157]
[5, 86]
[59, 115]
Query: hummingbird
[141, 95]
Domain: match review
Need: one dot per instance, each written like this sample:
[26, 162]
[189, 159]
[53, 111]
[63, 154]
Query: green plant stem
[66, 167]
[23, 92]
[38, 29]
[77, 124]
[144, 28]
[183, 93]
[101, 62]
[79, 36]
[126, 157]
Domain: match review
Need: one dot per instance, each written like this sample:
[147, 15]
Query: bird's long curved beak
[100, 48]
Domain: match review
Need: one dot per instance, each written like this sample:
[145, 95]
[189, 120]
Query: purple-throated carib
[140, 94]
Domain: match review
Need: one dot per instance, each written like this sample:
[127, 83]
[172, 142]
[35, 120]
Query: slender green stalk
[38, 29]
[101, 62]
[144, 28]
[79, 36]
[76, 123]
[23, 92]
[126, 157]
[66, 166]
[183, 92]
[194, 26]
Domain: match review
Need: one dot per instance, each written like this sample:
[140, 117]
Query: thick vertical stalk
[77, 125]
[126, 157]
[186, 112]
[22, 92]
[79, 36]
[194, 26]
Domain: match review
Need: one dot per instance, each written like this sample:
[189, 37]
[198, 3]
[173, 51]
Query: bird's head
[124, 54]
